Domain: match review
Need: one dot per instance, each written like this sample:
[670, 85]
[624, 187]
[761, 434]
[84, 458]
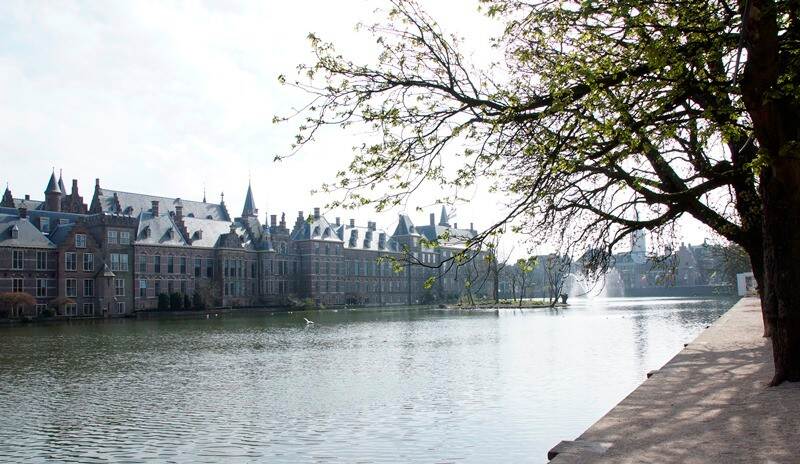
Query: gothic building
[119, 253]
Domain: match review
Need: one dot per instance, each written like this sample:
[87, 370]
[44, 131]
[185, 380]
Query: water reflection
[400, 385]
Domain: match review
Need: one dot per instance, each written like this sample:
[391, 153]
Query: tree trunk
[780, 186]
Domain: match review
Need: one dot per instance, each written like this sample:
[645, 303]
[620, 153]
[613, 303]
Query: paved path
[709, 404]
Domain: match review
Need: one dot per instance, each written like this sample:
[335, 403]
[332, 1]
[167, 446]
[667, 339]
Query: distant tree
[598, 110]
[58, 303]
[495, 264]
[163, 302]
[525, 267]
[556, 269]
[175, 301]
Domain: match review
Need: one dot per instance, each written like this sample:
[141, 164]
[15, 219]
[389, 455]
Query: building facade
[127, 252]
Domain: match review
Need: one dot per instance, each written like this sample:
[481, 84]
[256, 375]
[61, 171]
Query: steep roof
[133, 204]
[210, 231]
[249, 209]
[443, 219]
[364, 238]
[61, 184]
[160, 230]
[318, 229]
[28, 204]
[52, 185]
[28, 236]
[404, 227]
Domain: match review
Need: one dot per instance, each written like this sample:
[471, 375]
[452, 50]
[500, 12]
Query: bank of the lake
[708, 404]
[369, 385]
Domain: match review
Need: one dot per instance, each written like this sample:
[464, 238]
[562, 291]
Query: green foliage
[175, 301]
[197, 302]
[604, 117]
[163, 302]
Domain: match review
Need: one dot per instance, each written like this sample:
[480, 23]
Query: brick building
[118, 254]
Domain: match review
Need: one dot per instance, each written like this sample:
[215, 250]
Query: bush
[163, 302]
[175, 301]
[197, 302]
[187, 302]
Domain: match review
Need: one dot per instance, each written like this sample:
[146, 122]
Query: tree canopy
[602, 117]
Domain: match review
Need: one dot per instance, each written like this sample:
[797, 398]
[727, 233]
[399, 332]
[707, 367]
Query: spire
[443, 219]
[61, 183]
[8, 200]
[204, 193]
[249, 209]
[52, 185]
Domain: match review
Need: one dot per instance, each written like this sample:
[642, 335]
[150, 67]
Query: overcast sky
[165, 98]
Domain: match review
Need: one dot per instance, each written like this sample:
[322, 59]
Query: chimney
[316, 213]
[23, 212]
[338, 221]
[153, 207]
[382, 240]
[273, 220]
[455, 225]
[471, 226]
[27, 197]
[75, 186]
[97, 183]
[300, 215]
[352, 222]
[433, 219]
[179, 212]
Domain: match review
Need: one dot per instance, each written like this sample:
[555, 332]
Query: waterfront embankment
[708, 404]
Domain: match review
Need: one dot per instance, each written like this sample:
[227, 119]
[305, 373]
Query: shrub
[175, 301]
[163, 302]
[197, 302]
[187, 302]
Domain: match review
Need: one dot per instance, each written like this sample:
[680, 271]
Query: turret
[8, 200]
[249, 209]
[52, 195]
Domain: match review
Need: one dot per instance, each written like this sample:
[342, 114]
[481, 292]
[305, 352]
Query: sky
[174, 98]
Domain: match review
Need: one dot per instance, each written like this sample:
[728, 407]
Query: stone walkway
[709, 404]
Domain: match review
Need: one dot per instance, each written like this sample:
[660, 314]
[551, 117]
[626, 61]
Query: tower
[8, 200]
[443, 219]
[52, 194]
[249, 209]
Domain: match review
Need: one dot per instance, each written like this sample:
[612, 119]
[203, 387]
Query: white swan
[307, 321]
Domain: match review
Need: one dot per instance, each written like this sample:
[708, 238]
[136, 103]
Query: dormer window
[190, 215]
[128, 211]
[146, 232]
[170, 234]
[14, 231]
[198, 234]
[44, 224]
[316, 232]
[209, 217]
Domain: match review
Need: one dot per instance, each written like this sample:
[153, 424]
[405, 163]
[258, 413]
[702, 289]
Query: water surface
[371, 386]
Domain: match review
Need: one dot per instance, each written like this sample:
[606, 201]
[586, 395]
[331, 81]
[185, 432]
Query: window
[88, 261]
[157, 264]
[142, 263]
[71, 309]
[88, 309]
[40, 309]
[41, 288]
[119, 287]
[198, 267]
[71, 286]
[41, 260]
[44, 224]
[157, 286]
[209, 268]
[112, 237]
[124, 238]
[170, 264]
[142, 288]
[16, 259]
[119, 262]
[16, 285]
[88, 287]
[183, 264]
[80, 241]
[70, 261]
[120, 307]
[183, 287]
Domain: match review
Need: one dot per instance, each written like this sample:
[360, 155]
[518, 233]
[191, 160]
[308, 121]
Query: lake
[357, 386]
